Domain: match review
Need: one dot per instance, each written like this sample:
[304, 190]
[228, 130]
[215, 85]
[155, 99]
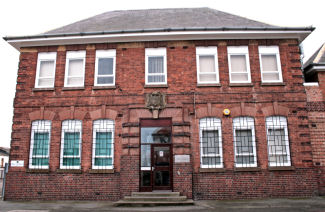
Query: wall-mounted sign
[182, 158]
[17, 163]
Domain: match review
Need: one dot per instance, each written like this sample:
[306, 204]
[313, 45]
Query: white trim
[70, 126]
[111, 53]
[311, 84]
[74, 55]
[39, 126]
[270, 50]
[154, 52]
[239, 50]
[207, 51]
[102, 125]
[245, 123]
[209, 124]
[157, 36]
[278, 122]
[45, 56]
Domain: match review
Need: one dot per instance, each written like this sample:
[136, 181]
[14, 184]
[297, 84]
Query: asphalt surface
[316, 204]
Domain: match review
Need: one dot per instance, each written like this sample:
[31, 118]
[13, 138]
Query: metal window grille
[40, 144]
[71, 144]
[278, 141]
[244, 142]
[211, 143]
[103, 144]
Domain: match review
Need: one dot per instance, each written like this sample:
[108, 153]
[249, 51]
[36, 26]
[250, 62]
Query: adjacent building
[196, 100]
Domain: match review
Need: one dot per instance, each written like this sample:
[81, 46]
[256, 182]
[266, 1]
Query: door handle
[152, 168]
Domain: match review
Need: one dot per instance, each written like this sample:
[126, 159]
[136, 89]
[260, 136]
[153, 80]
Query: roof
[159, 19]
[4, 151]
[160, 24]
[318, 58]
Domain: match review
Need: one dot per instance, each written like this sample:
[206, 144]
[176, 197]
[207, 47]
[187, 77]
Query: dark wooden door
[161, 161]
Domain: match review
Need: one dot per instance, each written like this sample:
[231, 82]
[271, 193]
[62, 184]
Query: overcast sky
[37, 16]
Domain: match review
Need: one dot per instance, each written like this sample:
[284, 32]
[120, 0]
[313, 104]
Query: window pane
[71, 161]
[211, 160]
[45, 82]
[156, 64]
[280, 160]
[103, 144]
[244, 141]
[239, 77]
[46, 69]
[238, 63]
[159, 78]
[207, 64]
[269, 63]
[210, 142]
[145, 155]
[245, 159]
[105, 66]
[40, 161]
[75, 67]
[41, 143]
[207, 77]
[105, 80]
[277, 142]
[271, 76]
[71, 143]
[103, 161]
[75, 81]
[155, 135]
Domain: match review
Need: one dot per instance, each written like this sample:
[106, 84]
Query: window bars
[278, 141]
[71, 144]
[40, 144]
[244, 142]
[211, 143]
[103, 144]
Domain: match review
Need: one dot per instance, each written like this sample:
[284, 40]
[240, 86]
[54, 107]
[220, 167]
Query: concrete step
[155, 198]
[155, 194]
[152, 204]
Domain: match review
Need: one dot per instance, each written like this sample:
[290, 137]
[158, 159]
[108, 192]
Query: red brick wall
[186, 104]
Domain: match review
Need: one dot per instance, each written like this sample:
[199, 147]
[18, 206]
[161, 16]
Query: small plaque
[17, 163]
[161, 153]
[182, 158]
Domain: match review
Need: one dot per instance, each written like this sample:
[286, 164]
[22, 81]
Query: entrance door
[155, 155]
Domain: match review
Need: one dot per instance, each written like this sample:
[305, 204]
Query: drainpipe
[302, 56]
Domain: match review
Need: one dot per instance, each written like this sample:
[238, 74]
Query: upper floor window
[270, 64]
[75, 69]
[103, 144]
[238, 61]
[244, 142]
[45, 72]
[156, 66]
[40, 144]
[207, 65]
[71, 144]
[278, 141]
[211, 143]
[105, 67]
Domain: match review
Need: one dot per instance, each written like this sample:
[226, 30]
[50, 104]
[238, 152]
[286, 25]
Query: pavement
[314, 204]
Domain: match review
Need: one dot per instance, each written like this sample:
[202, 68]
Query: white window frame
[276, 122]
[100, 54]
[105, 125]
[71, 125]
[205, 125]
[239, 50]
[155, 52]
[39, 126]
[45, 56]
[74, 55]
[207, 51]
[245, 123]
[270, 50]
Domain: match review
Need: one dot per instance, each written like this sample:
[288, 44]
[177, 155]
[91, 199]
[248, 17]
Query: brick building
[192, 100]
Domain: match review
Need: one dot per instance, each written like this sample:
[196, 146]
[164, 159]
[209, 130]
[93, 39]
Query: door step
[150, 199]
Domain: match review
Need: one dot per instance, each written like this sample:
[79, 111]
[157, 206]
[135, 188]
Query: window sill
[38, 171]
[208, 85]
[156, 86]
[248, 169]
[101, 171]
[73, 88]
[42, 89]
[106, 87]
[241, 84]
[281, 168]
[75, 171]
[206, 170]
[273, 84]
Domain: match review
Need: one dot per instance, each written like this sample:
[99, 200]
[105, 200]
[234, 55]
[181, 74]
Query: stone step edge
[139, 204]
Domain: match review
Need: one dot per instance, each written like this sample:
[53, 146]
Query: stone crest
[155, 101]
